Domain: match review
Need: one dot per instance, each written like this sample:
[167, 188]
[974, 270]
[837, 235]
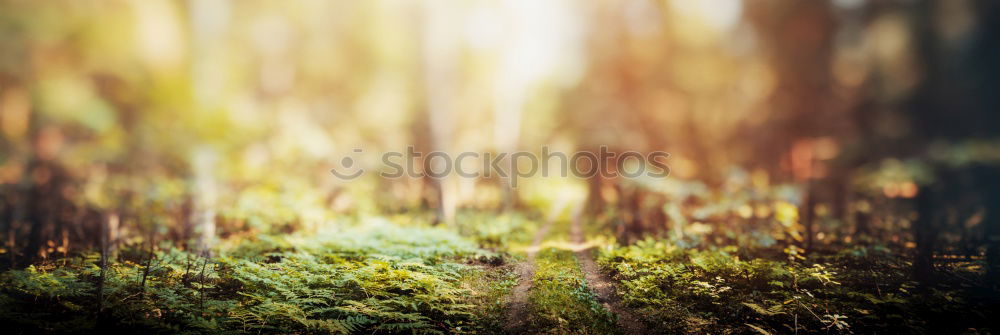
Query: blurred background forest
[795, 127]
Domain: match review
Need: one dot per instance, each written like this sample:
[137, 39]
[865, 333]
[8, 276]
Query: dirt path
[517, 311]
[602, 286]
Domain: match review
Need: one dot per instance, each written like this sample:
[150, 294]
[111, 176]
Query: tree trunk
[205, 195]
[924, 234]
[105, 224]
[807, 214]
[989, 179]
[862, 224]
[439, 54]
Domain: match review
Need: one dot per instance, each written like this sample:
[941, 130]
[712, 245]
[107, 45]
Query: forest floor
[598, 281]
[553, 270]
[519, 317]
[574, 279]
[517, 314]
[555, 292]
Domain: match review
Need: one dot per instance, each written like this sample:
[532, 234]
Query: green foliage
[719, 291]
[379, 278]
[560, 301]
[496, 232]
[490, 289]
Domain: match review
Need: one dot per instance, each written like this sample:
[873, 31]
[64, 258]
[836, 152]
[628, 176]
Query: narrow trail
[601, 285]
[517, 312]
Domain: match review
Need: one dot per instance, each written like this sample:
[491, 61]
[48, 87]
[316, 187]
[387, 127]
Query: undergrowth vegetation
[491, 288]
[375, 278]
[863, 290]
[560, 301]
[497, 232]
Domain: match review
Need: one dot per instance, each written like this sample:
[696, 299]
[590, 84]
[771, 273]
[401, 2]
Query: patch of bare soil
[517, 310]
[602, 286]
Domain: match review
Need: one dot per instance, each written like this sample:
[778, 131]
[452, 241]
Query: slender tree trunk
[201, 283]
[105, 223]
[840, 195]
[989, 179]
[808, 214]
[862, 224]
[12, 225]
[112, 235]
[65, 244]
[147, 268]
[440, 54]
[924, 234]
[205, 195]
[595, 201]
